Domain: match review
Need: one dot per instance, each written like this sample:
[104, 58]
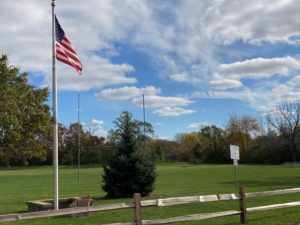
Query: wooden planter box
[47, 204]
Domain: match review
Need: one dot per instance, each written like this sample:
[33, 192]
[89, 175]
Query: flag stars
[58, 31]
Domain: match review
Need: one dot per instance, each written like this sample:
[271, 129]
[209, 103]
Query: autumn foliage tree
[190, 147]
[90, 145]
[241, 130]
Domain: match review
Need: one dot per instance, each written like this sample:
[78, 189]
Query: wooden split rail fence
[138, 204]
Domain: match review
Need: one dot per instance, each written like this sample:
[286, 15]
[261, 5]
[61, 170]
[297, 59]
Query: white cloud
[98, 72]
[177, 36]
[253, 21]
[166, 106]
[161, 101]
[295, 81]
[125, 93]
[198, 125]
[255, 99]
[171, 34]
[181, 38]
[260, 99]
[262, 96]
[223, 84]
[180, 77]
[26, 38]
[195, 125]
[259, 68]
[173, 111]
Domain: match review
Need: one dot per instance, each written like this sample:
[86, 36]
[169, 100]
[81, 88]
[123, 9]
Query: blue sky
[197, 62]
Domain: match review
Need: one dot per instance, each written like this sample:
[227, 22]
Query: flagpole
[55, 125]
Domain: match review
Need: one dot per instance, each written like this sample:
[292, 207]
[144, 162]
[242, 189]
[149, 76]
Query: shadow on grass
[87, 166]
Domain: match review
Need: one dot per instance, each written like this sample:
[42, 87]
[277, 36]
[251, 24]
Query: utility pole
[144, 114]
[78, 156]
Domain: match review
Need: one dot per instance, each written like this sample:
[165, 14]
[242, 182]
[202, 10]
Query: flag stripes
[65, 52]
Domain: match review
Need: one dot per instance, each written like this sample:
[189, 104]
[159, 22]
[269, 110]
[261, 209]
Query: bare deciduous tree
[285, 119]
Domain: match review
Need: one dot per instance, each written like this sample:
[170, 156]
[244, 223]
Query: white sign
[234, 152]
[235, 162]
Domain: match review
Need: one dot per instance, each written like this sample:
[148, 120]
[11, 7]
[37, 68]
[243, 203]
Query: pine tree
[129, 170]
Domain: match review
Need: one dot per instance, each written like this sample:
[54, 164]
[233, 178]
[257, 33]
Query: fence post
[243, 216]
[137, 208]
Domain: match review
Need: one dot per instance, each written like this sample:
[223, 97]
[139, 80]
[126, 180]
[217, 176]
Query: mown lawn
[176, 179]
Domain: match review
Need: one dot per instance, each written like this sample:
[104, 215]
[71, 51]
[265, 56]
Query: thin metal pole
[236, 178]
[144, 114]
[78, 157]
[55, 125]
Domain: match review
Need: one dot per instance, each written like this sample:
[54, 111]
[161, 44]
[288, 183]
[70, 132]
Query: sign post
[235, 156]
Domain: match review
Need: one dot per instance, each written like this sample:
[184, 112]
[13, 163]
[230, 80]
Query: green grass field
[176, 179]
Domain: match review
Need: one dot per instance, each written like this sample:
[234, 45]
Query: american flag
[64, 49]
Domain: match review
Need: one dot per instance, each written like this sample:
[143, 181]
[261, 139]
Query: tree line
[26, 133]
[274, 139]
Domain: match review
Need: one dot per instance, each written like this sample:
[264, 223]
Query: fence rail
[138, 204]
[64, 212]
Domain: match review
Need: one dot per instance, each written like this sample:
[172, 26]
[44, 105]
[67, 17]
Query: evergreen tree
[129, 170]
[25, 122]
